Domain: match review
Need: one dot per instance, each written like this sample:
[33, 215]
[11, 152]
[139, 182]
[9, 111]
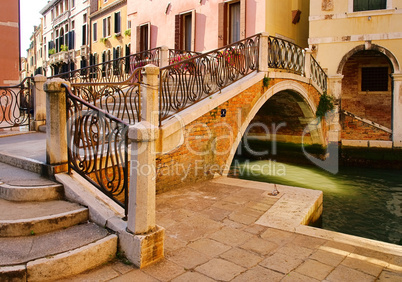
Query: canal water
[358, 201]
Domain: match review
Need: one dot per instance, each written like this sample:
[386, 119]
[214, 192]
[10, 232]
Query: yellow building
[110, 30]
[358, 43]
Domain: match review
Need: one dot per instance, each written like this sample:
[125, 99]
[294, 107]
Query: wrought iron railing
[318, 75]
[283, 54]
[120, 99]
[113, 71]
[187, 82]
[16, 104]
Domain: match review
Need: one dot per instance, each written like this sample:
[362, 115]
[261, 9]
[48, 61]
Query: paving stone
[209, 247]
[364, 266]
[242, 257]
[104, 273]
[220, 269]
[231, 236]
[295, 251]
[242, 218]
[259, 274]
[238, 200]
[134, 275]
[227, 206]
[314, 269]
[255, 205]
[165, 270]
[216, 214]
[172, 243]
[233, 224]
[121, 267]
[297, 277]
[328, 258]
[343, 273]
[255, 229]
[188, 258]
[277, 236]
[374, 254]
[193, 277]
[259, 246]
[308, 241]
[281, 262]
[344, 248]
[389, 276]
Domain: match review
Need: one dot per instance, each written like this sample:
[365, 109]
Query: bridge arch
[288, 85]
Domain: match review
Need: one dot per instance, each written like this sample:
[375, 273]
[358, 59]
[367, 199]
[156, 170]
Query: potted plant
[127, 32]
[103, 40]
[64, 48]
[52, 51]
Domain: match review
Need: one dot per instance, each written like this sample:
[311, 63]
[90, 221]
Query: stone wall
[353, 129]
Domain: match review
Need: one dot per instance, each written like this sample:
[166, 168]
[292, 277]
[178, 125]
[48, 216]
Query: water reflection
[358, 201]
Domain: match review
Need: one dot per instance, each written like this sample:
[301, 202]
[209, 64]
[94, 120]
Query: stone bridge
[201, 141]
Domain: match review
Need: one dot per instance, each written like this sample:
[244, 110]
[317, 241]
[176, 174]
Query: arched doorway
[366, 98]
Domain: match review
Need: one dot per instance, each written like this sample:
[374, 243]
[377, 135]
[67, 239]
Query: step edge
[38, 269]
[31, 193]
[72, 216]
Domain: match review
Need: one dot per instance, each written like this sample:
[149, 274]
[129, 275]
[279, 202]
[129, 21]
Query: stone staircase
[42, 236]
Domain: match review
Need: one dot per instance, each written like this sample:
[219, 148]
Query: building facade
[65, 35]
[358, 43]
[10, 52]
[204, 25]
[35, 53]
[110, 36]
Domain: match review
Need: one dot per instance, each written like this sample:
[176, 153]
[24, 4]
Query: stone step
[30, 192]
[27, 218]
[56, 255]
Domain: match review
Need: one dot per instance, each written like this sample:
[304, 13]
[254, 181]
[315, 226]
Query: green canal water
[358, 201]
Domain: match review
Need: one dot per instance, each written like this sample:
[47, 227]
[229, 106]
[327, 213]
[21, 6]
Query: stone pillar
[56, 126]
[335, 90]
[39, 101]
[164, 56]
[307, 63]
[397, 110]
[263, 51]
[147, 238]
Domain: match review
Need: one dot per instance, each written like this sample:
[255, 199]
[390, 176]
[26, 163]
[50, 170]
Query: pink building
[200, 25]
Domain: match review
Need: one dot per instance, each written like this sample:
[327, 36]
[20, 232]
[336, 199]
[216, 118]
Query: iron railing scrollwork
[16, 104]
[189, 81]
[116, 70]
[318, 75]
[285, 55]
[98, 118]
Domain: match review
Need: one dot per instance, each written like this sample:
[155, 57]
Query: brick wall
[209, 139]
[374, 106]
[353, 129]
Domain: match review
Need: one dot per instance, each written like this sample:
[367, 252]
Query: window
[84, 34]
[184, 31]
[117, 22]
[374, 79]
[106, 27]
[72, 3]
[234, 22]
[143, 37]
[44, 21]
[72, 24]
[95, 32]
[231, 22]
[128, 24]
[365, 5]
[66, 5]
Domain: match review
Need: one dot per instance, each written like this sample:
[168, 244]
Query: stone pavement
[211, 235]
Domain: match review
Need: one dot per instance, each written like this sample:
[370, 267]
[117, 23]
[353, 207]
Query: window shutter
[84, 34]
[138, 39]
[177, 32]
[149, 36]
[242, 19]
[193, 29]
[222, 24]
